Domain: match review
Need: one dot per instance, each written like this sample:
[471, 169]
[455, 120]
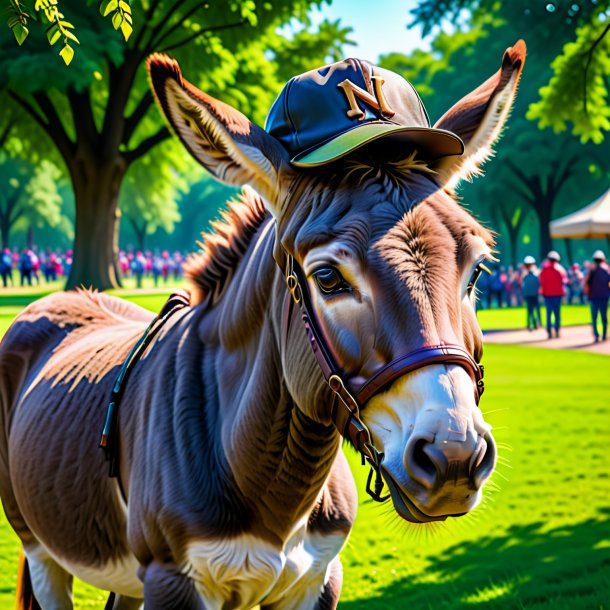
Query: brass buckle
[292, 281]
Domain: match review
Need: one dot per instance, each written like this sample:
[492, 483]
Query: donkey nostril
[486, 461]
[420, 463]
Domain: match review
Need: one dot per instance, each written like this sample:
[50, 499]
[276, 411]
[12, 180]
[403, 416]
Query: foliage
[58, 27]
[543, 158]
[578, 90]
[28, 195]
[99, 115]
[150, 204]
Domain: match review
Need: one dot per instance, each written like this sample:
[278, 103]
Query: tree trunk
[96, 193]
[543, 211]
[30, 237]
[5, 232]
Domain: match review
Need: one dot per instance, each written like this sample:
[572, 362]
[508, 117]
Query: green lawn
[541, 540]
[515, 317]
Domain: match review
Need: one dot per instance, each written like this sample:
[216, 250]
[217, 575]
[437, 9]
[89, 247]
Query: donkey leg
[51, 584]
[167, 588]
[329, 598]
[122, 602]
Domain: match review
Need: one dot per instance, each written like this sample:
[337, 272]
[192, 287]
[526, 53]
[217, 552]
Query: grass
[515, 317]
[539, 541]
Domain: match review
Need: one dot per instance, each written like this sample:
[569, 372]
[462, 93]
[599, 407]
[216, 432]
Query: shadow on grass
[565, 568]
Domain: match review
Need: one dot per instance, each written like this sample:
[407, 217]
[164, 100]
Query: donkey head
[390, 261]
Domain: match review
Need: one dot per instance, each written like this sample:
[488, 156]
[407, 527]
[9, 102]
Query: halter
[347, 404]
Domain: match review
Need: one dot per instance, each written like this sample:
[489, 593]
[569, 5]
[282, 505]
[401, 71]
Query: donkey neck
[279, 456]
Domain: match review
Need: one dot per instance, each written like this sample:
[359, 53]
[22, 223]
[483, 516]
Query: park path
[571, 337]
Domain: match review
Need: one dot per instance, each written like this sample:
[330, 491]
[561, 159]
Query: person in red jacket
[553, 279]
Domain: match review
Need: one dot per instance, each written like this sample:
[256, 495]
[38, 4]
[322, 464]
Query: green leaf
[53, 34]
[117, 19]
[69, 35]
[20, 32]
[108, 6]
[67, 54]
[126, 30]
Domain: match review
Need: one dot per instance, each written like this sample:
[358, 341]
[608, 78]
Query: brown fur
[225, 434]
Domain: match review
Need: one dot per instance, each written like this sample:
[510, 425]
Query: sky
[380, 26]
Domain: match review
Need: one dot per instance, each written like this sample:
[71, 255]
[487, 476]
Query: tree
[150, 204]
[541, 156]
[28, 194]
[99, 116]
[577, 90]
[513, 220]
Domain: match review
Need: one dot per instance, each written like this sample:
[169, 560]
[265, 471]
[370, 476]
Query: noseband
[348, 401]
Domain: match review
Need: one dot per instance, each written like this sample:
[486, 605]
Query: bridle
[347, 402]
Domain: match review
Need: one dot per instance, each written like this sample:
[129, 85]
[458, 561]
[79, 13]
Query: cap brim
[431, 143]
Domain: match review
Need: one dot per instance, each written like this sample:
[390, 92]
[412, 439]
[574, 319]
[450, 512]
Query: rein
[347, 404]
[177, 301]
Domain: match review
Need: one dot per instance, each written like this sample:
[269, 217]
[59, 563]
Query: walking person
[530, 288]
[553, 279]
[597, 286]
[6, 267]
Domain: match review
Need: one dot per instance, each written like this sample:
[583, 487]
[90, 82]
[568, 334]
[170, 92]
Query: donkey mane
[210, 270]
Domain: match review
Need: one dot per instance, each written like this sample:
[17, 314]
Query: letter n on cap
[377, 101]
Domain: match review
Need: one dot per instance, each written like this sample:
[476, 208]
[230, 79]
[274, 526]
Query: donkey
[232, 490]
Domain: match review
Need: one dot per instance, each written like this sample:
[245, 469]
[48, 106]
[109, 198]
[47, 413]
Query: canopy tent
[591, 222]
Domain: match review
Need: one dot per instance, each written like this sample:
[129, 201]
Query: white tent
[591, 222]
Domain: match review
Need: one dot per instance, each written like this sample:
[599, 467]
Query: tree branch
[560, 179]
[133, 120]
[149, 46]
[80, 104]
[148, 15]
[177, 25]
[519, 172]
[56, 128]
[146, 145]
[31, 111]
[196, 35]
[589, 59]
[6, 132]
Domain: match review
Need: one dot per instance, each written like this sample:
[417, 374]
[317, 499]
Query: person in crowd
[576, 279]
[138, 267]
[26, 267]
[35, 265]
[514, 282]
[530, 288]
[6, 267]
[49, 267]
[157, 268]
[553, 279]
[496, 288]
[597, 286]
[177, 266]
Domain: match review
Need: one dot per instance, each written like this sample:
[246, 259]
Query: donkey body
[233, 491]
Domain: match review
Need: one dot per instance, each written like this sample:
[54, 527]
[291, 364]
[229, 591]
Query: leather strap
[346, 406]
[424, 356]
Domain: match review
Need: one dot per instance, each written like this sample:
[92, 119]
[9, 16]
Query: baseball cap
[529, 260]
[323, 115]
[599, 255]
[553, 255]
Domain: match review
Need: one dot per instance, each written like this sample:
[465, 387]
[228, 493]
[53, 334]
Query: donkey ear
[232, 148]
[479, 118]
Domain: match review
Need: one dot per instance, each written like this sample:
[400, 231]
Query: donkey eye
[330, 281]
[475, 276]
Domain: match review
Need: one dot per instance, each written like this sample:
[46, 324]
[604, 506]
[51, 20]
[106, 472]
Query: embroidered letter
[377, 101]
